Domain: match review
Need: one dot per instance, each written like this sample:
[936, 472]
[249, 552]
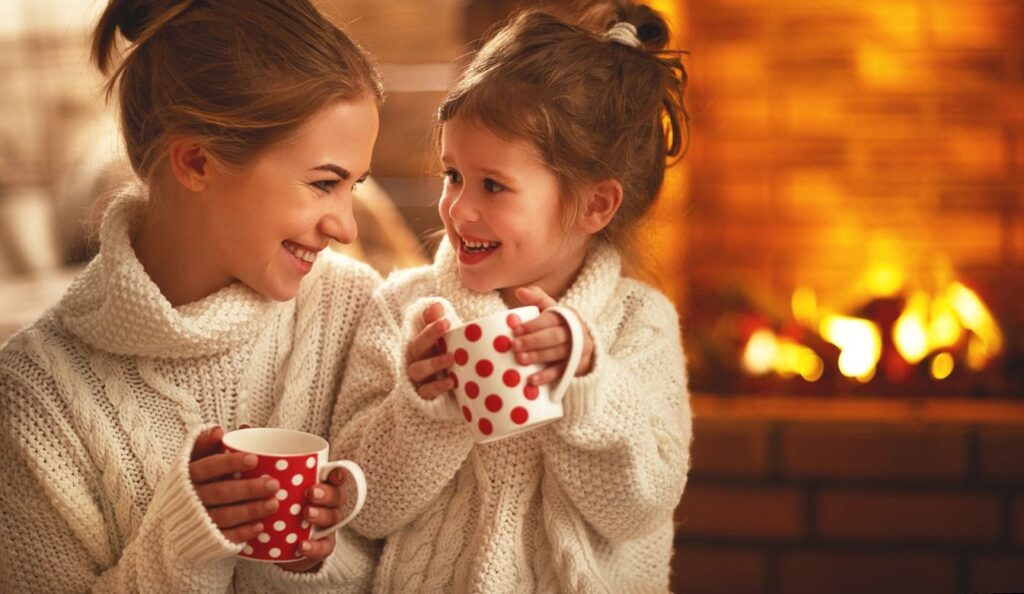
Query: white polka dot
[281, 464]
[279, 525]
[297, 480]
[275, 552]
[282, 495]
[305, 524]
[291, 538]
[263, 537]
[310, 462]
[247, 550]
[295, 509]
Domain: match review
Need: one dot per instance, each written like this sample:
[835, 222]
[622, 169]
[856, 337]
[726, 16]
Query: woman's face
[272, 218]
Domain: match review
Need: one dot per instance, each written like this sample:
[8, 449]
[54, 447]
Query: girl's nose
[461, 208]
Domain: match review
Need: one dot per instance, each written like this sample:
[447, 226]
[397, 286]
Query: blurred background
[844, 242]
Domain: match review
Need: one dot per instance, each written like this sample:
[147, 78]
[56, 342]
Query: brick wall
[788, 496]
[829, 139]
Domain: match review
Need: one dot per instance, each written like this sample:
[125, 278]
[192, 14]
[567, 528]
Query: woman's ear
[602, 202]
[189, 163]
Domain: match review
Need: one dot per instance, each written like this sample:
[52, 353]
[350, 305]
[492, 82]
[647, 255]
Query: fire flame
[930, 324]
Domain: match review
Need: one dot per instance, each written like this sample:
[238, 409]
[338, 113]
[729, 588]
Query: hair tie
[623, 33]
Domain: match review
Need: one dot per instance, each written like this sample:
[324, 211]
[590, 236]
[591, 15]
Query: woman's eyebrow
[337, 170]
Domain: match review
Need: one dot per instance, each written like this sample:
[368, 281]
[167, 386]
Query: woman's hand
[428, 366]
[546, 340]
[324, 510]
[236, 506]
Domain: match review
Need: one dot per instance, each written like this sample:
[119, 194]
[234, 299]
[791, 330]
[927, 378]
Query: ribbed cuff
[191, 533]
[584, 398]
[349, 568]
[442, 408]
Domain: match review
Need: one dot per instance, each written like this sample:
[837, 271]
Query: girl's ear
[190, 163]
[603, 201]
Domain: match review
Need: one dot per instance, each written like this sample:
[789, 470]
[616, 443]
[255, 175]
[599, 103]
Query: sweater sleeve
[621, 452]
[408, 447]
[348, 570]
[58, 534]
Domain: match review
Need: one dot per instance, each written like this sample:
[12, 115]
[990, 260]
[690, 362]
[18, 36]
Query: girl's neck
[169, 244]
[556, 284]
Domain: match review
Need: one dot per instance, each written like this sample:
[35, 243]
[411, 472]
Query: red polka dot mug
[491, 386]
[298, 460]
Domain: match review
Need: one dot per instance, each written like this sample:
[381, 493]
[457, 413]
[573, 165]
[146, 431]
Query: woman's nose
[339, 223]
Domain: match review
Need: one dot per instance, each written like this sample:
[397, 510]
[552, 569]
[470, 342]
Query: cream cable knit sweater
[100, 401]
[582, 505]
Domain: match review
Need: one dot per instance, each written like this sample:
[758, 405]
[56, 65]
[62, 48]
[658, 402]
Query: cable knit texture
[101, 399]
[581, 505]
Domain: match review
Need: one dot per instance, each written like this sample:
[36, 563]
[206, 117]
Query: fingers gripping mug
[491, 386]
[298, 460]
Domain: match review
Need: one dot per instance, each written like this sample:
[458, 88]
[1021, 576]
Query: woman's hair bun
[136, 20]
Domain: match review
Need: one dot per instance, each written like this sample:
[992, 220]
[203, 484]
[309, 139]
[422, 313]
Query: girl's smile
[502, 211]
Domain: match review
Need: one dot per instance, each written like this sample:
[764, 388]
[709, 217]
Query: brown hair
[237, 75]
[595, 109]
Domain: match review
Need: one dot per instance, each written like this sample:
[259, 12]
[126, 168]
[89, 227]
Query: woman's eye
[492, 186]
[451, 176]
[325, 185]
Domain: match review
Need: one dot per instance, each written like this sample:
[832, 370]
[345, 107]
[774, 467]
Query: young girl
[212, 303]
[553, 143]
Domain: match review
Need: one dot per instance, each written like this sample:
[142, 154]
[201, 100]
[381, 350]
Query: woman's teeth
[479, 246]
[300, 253]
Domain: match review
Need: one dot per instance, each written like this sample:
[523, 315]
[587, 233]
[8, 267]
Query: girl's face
[271, 219]
[502, 208]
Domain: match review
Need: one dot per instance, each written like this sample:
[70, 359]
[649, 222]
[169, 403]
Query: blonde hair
[594, 108]
[237, 75]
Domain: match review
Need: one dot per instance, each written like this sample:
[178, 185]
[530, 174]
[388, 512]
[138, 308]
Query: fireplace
[855, 218]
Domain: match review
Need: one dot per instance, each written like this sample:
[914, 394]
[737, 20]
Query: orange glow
[860, 344]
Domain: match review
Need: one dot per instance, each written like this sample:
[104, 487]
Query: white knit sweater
[581, 505]
[101, 399]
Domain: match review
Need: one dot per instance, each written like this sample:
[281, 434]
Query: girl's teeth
[479, 245]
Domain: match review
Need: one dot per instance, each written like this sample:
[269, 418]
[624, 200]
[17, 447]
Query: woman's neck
[168, 242]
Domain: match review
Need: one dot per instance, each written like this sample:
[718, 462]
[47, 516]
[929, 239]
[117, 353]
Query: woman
[212, 303]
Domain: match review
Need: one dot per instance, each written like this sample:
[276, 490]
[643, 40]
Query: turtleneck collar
[588, 294]
[114, 305]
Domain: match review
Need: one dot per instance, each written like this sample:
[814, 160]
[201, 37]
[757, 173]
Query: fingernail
[314, 512]
[318, 493]
[270, 504]
[258, 526]
[306, 546]
[250, 460]
[272, 485]
[524, 358]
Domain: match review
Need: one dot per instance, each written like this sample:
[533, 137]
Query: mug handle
[357, 474]
[575, 353]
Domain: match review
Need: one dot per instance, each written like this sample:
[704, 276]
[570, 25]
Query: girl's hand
[236, 506]
[546, 340]
[324, 510]
[427, 365]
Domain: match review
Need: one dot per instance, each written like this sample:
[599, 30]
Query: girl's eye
[492, 186]
[325, 185]
[451, 176]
